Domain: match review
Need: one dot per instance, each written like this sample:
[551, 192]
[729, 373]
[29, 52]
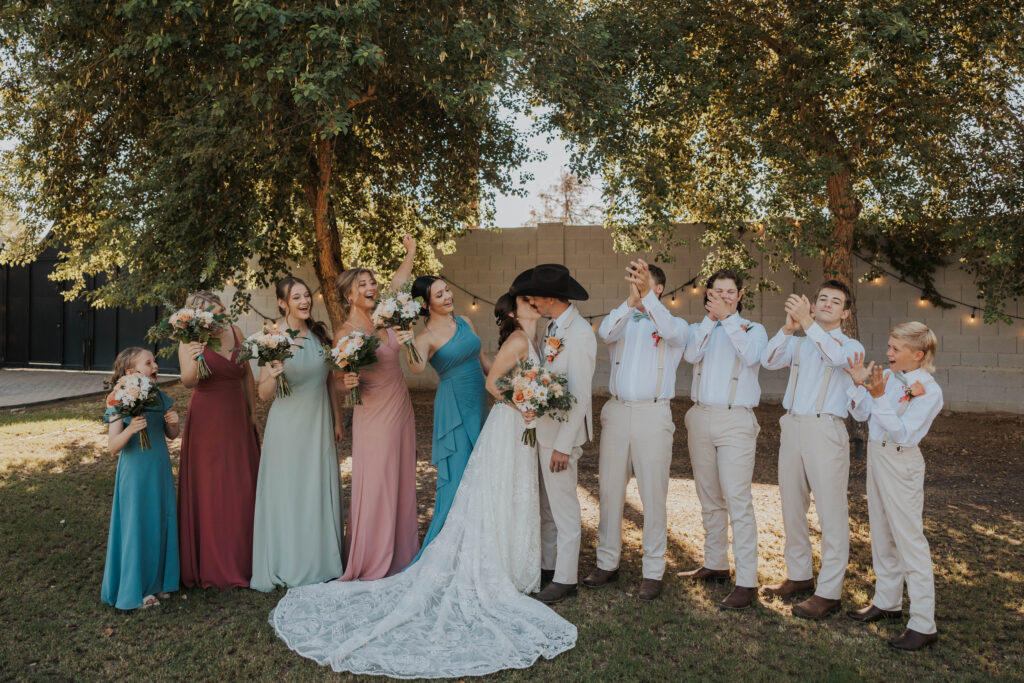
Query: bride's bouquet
[528, 386]
[187, 325]
[131, 396]
[399, 309]
[266, 346]
[352, 353]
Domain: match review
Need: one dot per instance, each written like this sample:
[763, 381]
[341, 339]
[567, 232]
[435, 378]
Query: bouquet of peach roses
[352, 353]
[131, 396]
[187, 325]
[529, 387]
[266, 346]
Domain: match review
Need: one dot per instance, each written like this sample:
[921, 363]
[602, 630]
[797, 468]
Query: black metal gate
[38, 328]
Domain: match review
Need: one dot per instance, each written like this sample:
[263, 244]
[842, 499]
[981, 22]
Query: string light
[878, 280]
[921, 301]
[973, 311]
[320, 295]
[673, 299]
[474, 303]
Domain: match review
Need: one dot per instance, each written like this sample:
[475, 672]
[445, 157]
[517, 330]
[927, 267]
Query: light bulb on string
[673, 299]
[973, 311]
[921, 301]
[474, 303]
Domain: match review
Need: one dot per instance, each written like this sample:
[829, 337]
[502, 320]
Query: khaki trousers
[899, 549]
[722, 443]
[560, 517]
[814, 457]
[637, 436]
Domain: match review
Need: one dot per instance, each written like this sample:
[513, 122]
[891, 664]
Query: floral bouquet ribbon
[131, 396]
[352, 353]
[399, 309]
[267, 346]
[531, 387]
[187, 325]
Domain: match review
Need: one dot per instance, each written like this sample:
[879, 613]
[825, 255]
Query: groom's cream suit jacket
[576, 360]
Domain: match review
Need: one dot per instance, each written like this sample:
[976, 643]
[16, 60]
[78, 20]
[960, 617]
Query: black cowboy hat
[549, 279]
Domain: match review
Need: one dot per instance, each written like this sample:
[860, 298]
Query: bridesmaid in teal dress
[297, 530]
[142, 546]
[452, 348]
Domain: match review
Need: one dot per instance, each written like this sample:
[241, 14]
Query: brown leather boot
[600, 577]
[555, 592]
[871, 613]
[739, 598]
[546, 577]
[649, 589]
[816, 607]
[705, 574]
[788, 588]
[912, 640]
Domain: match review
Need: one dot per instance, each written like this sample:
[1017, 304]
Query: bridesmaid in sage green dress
[452, 348]
[297, 532]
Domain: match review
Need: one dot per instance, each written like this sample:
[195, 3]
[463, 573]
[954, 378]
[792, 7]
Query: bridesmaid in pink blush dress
[382, 535]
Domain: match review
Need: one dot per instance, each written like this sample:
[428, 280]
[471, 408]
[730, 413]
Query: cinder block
[979, 359]
[998, 344]
[1011, 360]
[963, 343]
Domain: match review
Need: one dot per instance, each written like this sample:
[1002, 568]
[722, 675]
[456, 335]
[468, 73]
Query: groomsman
[814, 452]
[725, 350]
[570, 347]
[645, 344]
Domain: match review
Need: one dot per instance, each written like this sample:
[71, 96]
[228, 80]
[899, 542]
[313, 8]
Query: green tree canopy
[891, 130]
[169, 142]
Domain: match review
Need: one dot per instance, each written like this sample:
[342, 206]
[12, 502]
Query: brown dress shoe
[600, 577]
[649, 589]
[555, 592]
[912, 640]
[705, 574]
[871, 613]
[788, 588]
[816, 607]
[739, 598]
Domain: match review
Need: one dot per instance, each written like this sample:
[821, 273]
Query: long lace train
[460, 610]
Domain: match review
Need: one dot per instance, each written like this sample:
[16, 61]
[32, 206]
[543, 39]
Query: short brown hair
[839, 286]
[920, 338]
[725, 274]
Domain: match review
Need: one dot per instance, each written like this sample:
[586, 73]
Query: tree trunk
[838, 259]
[327, 256]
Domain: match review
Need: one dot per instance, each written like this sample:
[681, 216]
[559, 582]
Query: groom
[569, 347]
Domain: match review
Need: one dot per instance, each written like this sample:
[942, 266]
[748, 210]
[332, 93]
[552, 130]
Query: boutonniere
[553, 347]
[656, 337]
[911, 391]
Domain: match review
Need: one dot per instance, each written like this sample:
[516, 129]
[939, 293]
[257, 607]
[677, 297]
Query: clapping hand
[856, 370]
[798, 307]
[876, 383]
[640, 276]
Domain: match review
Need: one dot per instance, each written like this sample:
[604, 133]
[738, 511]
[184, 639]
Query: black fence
[38, 328]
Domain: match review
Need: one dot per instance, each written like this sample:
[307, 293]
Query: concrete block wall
[980, 367]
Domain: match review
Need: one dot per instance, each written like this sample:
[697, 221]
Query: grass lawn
[56, 482]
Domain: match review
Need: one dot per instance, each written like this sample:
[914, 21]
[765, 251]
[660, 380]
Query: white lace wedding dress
[461, 609]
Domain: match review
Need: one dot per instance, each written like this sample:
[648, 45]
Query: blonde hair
[125, 361]
[918, 337]
[344, 284]
[203, 299]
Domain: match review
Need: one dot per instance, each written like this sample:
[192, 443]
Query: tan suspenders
[613, 383]
[795, 371]
[732, 384]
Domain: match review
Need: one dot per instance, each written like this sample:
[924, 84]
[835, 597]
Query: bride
[461, 609]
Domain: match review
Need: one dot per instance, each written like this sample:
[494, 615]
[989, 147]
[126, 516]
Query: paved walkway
[25, 387]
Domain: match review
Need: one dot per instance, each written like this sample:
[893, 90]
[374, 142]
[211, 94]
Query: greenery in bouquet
[399, 309]
[352, 353]
[131, 396]
[266, 346]
[529, 386]
[187, 325]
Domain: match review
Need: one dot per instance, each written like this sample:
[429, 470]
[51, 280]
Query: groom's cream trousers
[560, 517]
[635, 435]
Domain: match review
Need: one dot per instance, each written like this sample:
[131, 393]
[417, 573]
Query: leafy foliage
[176, 144]
[816, 127]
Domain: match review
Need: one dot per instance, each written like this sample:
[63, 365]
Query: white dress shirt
[885, 423]
[716, 346]
[820, 351]
[632, 344]
[559, 322]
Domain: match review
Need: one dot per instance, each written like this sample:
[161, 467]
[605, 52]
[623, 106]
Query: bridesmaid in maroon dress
[382, 537]
[220, 459]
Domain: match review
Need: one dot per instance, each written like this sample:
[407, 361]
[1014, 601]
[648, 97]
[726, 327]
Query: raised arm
[672, 330]
[697, 344]
[405, 270]
[750, 343]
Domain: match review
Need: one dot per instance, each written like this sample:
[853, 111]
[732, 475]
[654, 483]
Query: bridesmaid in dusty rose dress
[382, 533]
[220, 458]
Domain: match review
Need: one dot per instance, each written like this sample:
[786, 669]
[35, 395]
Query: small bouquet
[352, 353]
[266, 346]
[187, 325]
[399, 309]
[531, 387]
[131, 396]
